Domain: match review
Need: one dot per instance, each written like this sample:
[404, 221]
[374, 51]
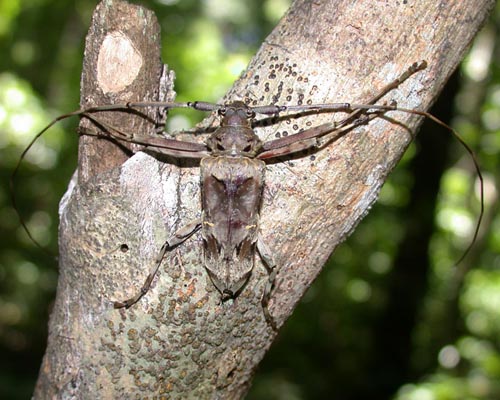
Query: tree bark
[179, 341]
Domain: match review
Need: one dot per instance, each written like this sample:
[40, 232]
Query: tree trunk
[179, 341]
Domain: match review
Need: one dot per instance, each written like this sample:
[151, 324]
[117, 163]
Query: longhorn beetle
[232, 171]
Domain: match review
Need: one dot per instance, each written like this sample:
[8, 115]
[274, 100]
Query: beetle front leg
[173, 241]
[161, 145]
[316, 137]
[265, 255]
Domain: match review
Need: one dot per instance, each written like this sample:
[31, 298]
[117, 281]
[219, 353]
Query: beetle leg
[173, 241]
[315, 137]
[162, 145]
[265, 255]
[358, 114]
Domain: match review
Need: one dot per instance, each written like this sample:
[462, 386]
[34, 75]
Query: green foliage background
[390, 317]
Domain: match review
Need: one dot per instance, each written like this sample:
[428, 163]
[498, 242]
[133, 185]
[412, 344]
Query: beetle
[232, 178]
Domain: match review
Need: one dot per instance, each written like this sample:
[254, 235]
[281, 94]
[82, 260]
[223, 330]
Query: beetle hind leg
[173, 241]
[272, 270]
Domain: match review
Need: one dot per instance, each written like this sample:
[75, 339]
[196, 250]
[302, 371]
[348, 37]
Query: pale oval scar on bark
[118, 63]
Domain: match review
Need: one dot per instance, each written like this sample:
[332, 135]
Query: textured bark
[179, 341]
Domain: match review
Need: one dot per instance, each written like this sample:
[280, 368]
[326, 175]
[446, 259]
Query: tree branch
[179, 340]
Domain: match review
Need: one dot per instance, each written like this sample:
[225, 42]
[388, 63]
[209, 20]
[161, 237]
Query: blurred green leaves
[8, 12]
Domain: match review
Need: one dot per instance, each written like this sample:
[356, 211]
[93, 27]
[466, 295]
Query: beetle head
[235, 135]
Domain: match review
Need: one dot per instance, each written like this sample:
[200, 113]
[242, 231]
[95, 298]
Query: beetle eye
[222, 111]
[250, 114]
